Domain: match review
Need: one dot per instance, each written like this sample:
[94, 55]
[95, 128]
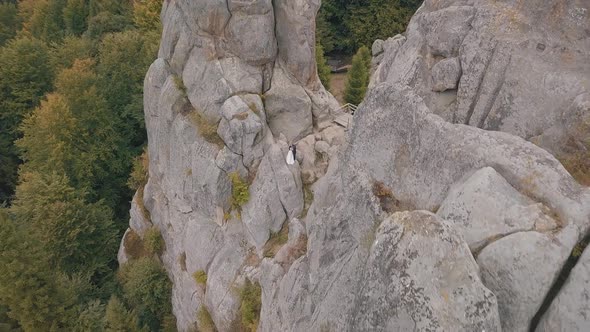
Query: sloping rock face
[521, 67]
[432, 212]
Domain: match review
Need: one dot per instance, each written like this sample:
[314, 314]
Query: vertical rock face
[410, 219]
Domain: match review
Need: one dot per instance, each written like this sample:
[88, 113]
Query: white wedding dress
[290, 159]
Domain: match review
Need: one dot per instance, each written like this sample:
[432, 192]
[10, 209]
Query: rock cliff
[432, 212]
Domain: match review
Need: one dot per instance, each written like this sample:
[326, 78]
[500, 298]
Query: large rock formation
[432, 213]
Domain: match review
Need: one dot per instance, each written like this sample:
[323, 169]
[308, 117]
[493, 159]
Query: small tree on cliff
[324, 71]
[358, 77]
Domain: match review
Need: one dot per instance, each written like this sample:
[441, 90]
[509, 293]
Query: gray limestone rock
[446, 74]
[377, 47]
[288, 108]
[522, 65]
[520, 269]
[569, 311]
[139, 218]
[421, 276]
[241, 130]
[485, 207]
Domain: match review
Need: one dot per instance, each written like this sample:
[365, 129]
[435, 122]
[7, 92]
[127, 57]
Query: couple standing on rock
[292, 154]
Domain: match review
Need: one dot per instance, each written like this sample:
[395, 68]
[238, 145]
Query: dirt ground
[337, 83]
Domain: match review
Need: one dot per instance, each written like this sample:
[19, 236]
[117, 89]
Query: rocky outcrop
[432, 212]
[521, 64]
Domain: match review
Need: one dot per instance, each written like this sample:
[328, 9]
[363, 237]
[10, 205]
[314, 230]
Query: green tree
[107, 16]
[147, 288]
[324, 71]
[78, 237]
[124, 58]
[9, 21]
[74, 133]
[37, 296]
[119, 319]
[345, 25]
[72, 48]
[358, 77]
[47, 20]
[75, 16]
[25, 76]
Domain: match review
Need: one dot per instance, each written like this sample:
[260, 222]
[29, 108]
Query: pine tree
[324, 71]
[358, 77]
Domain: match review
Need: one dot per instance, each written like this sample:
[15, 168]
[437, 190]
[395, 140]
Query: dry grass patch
[204, 320]
[276, 241]
[206, 128]
[134, 245]
[200, 277]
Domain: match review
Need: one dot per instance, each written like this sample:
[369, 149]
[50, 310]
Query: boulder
[485, 207]
[421, 276]
[520, 270]
[446, 74]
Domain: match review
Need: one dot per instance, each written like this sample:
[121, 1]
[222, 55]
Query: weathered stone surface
[569, 311]
[296, 39]
[446, 74]
[322, 147]
[522, 64]
[485, 207]
[241, 130]
[139, 219]
[250, 31]
[288, 108]
[122, 256]
[520, 269]
[421, 276]
[333, 135]
[377, 47]
[421, 159]
[264, 211]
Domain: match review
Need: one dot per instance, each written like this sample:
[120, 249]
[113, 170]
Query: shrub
[146, 287]
[250, 305]
[153, 241]
[169, 324]
[240, 191]
[139, 172]
[204, 320]
[200, 277]
[206, 128]
[276, 241]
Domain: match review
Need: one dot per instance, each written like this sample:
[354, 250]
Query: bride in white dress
[290, 156]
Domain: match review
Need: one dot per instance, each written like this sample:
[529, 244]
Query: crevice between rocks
[560, 281]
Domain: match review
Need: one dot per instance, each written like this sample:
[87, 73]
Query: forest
[71, 142]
